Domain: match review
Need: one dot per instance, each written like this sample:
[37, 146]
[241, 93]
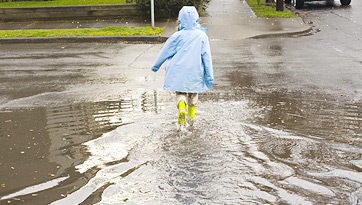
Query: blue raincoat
[189, 63]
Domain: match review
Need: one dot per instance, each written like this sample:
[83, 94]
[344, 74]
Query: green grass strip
[108, 31]
[60, 3]
[261, 10]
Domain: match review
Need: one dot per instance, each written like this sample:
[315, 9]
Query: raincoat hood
[188, 18]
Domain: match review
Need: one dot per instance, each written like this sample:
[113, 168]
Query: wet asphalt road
[90, 122]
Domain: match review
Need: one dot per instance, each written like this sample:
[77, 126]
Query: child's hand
[154, 69]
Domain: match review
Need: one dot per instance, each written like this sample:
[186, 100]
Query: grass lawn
[108, 31]
[60, 3]
[267, 11]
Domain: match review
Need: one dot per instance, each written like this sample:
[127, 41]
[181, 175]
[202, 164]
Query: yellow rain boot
[191, 114]
[182, 113]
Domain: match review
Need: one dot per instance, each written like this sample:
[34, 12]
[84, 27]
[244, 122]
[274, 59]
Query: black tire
[299, 4]
[345, 2]
[288, 1]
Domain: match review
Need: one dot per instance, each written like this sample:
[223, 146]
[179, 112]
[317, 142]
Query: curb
[86, 39]
[283, 34]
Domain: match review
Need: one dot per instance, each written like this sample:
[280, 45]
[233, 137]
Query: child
[189, 68]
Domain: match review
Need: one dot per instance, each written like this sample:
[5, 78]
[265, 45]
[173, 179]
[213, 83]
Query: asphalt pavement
[225, 19]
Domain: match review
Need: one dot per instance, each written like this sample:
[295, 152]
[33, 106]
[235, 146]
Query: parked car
[300, 3]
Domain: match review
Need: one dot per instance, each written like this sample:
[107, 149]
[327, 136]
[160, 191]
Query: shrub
[170, 8]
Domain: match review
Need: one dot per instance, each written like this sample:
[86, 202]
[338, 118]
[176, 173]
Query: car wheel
[345, 2]
[299, 4]
[288, 1]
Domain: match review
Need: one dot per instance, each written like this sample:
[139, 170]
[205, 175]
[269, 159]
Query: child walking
[189, 68]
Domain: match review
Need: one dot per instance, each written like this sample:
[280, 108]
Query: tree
[280, 5]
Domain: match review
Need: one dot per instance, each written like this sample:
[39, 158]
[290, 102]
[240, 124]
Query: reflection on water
[307, 113]
[71, 125]
[53, 140]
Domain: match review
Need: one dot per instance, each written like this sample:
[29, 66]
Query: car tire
[345, 2]
[299, 4]
[288, 1]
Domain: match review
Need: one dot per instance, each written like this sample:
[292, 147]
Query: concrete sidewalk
[234, 19]
[225, 19]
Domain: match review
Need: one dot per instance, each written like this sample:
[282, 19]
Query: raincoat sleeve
[168, 50]
[207, 62]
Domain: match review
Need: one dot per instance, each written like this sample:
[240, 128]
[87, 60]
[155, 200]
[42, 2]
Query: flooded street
[268, 133]
[90, 123]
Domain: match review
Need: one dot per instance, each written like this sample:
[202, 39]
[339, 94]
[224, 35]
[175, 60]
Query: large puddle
[253, 142]
[254, 149]
[229, 156]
